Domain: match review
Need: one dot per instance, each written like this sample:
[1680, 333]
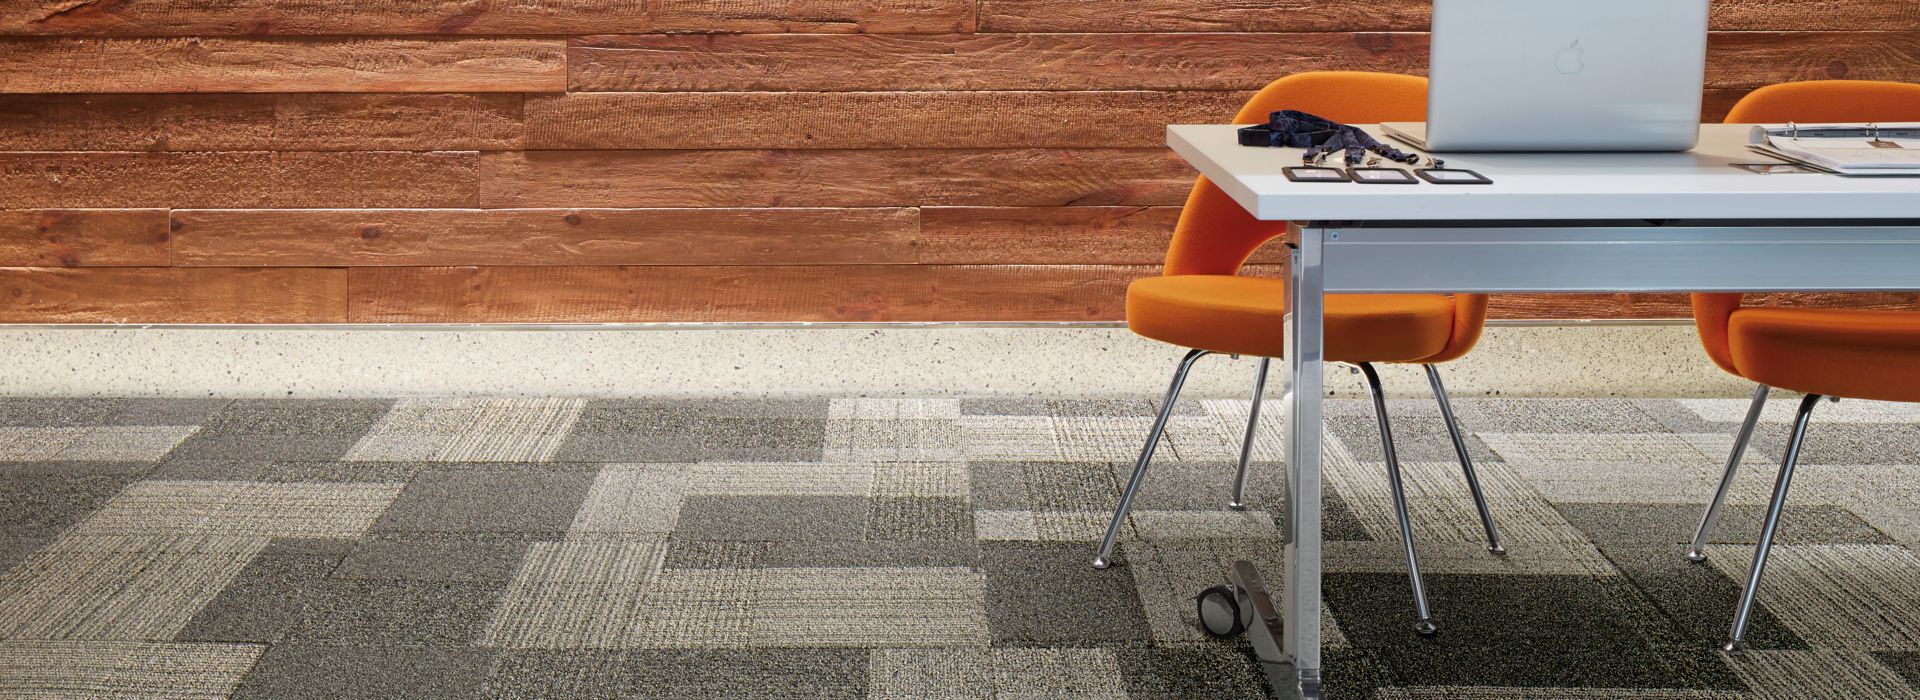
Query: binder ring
[1793, 130]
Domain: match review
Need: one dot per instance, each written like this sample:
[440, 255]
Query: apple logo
[1568, 60]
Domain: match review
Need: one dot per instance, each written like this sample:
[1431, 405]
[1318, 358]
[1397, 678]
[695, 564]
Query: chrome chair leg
[1740, 440]
[1101, 559]
[1239, 501]
[1743, 613]
[1466, 461]
[1424, 625]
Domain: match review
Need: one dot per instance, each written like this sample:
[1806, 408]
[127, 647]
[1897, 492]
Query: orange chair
[1820, 352]
[1202, 303]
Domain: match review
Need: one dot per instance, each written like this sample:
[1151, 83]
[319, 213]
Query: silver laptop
[1563, 75]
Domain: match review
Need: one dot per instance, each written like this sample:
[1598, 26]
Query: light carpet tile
[1490, 693]
[1167, 577]
[893, 409]
[1077, 526]
[781, 479]
[1524, 558]
[922, 480]
[632, 499]
[1782, 406]
[1204, 524]
[1882, 496]
[118, 587]
[871, 430]
[1818, 675]
[956, 674]
[1663, 448]
[469, 430]
[243, 509]
[106, 443]
[698, 609]
[1439, 502]
[1090, 438]
[1269, 438]
[1005, 525]
[575, 595]
[1843, 597]
[104, 670]
[870, 607]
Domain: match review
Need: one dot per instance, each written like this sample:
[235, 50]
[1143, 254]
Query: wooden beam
[543, 237]
[255, 122]
[85, 238]
[172, 295]
[240, 179]
[76, 65]
[1393, 15]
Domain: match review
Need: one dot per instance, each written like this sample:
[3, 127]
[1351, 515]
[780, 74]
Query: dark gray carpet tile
[397, 613]
[908, 518]
[271, 595]
[74, 412]
[998, 486]
[1337, 521]
[606, 675]
[1195, 485]
[14, 549]
[1842, 443]
[1522, 631]
[266, 446]
[1072, 486]
[318, 671]
[1072, 407]
[1041, 594]
[1220, 672]
[772, 518]
[501, 498]
[715, 440]
[876, 552]
[283, 429]
[434, 558]
[199, 469]
[310, 546]
[43, 505]
[685, 553]
[1698, 598]
[1674, 524]
[1557, 416]
[1905, 663]
[1417, 438]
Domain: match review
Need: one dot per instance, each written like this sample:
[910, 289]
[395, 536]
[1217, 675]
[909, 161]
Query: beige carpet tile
[469, 430]
[1524, 558]
[1201, 524]
[103, 443]
[957, 674]
[1843, 597]
[242, 509]
[1657, 448]
[1782, 405]
[1006, 525]
[1818, 675]
[921, 479]
[118, 587]
[1089, 438]
[632, 499]
[107, 670]
[870, 607]
[781, 479]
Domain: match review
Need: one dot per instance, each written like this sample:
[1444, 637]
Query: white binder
[1847, 149]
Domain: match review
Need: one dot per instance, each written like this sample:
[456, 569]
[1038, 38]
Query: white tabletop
[1700, 184]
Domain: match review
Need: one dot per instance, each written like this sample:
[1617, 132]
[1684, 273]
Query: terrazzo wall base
[1587, 360]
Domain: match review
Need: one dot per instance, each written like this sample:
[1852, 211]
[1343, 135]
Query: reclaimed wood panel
[524, 17]
[88, 65]
[739, 293]
[771, 62]
[84, 238]
[834, 178]
[1757, 59]
[521, 237]
[241, 179]
[963, 119]
[257, 122]
[1054, 236]
[1392, 15]
[172, 295]
[1654, 307]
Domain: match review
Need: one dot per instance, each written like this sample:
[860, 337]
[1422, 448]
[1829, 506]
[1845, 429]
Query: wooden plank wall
[253, 161]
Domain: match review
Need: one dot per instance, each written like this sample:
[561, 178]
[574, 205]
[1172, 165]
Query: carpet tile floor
[918, 548]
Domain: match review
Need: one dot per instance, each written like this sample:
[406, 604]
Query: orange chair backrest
[1826, 101]
[1215, 236]
[1811, 102]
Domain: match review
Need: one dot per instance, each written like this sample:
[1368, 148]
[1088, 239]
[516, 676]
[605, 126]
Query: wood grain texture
[964, 119]
[254, 122]
[522, 237]
[1392, 15]
[1756, 59]
[402, 17]
[738, 293]
[87, 65]
[84, 238]
[1630, 307]
[834, 178]
[767, 62]
[172, 295]
[248, 179]
[1054, 236]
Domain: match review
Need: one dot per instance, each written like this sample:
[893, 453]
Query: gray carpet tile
[921, 547]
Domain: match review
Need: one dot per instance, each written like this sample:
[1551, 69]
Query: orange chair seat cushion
[1858, 354]
[1243, 315]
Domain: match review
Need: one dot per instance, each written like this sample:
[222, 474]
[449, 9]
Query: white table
[1643, 222]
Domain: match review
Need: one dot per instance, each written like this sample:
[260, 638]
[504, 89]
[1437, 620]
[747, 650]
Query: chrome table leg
[1239, 501]
[1743, 614]
[1740, 440]
[1101, 560]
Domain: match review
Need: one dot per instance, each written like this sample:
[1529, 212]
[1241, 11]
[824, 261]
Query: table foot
[1245, 605]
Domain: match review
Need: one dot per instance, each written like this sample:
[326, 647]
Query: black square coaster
[1452, 176]
[1381, 176]
[1314, 173]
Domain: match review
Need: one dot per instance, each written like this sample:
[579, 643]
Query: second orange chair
[1202, 303]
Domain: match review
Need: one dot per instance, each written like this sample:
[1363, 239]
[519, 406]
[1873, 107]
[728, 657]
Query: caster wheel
[1220, 612]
